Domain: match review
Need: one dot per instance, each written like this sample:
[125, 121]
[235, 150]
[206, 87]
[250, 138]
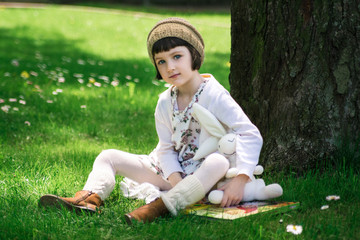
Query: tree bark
[295, 69]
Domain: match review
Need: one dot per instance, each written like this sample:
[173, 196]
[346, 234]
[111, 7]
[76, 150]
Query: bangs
[165, 44]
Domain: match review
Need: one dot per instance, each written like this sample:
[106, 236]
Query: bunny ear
[208, 146]
[208, 121]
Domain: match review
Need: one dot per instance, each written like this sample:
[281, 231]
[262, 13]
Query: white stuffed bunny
[254, 190]
[225, 143]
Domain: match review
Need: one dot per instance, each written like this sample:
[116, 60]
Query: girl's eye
[161, 62]
[177, 56]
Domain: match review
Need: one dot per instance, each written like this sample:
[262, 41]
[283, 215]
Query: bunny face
[227, 144]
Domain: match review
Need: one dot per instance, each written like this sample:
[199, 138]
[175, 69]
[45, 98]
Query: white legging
[113, 162]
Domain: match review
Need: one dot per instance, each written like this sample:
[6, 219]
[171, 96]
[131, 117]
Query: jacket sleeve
[166, 153]
[249, 141]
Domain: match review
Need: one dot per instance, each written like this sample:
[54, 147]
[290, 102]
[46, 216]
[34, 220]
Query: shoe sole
[129, 219]
[55, 201]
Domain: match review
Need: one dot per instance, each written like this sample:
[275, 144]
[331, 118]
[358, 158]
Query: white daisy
[332, 197]
[294, 229]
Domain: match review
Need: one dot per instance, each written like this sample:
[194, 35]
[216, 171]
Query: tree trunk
[295, 69]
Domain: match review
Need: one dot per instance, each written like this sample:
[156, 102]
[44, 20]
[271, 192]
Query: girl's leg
[212, 170]
[101, 181]
[188, 191]
[194, 187]
[113, 162]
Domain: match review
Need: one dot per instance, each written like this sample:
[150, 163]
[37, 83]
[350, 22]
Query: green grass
[55, 153]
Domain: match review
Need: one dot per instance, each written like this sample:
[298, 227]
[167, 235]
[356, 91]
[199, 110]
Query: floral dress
[186, 139]
[186, 132]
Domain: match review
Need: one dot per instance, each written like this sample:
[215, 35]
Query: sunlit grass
[79, 82]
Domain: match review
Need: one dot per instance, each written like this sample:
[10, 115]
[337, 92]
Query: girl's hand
[174, 178]
[233, 191]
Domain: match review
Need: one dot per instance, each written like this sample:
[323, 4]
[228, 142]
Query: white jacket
[218, 101]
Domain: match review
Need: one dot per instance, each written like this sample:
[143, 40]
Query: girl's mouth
[175, 75]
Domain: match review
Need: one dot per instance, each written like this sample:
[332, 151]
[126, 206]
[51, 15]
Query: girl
[176, 49]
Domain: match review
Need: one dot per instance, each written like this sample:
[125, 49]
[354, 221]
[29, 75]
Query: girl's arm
[166, 154]
[248, 147]
[248, 137]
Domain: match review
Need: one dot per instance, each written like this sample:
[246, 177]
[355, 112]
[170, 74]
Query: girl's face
[175, 66]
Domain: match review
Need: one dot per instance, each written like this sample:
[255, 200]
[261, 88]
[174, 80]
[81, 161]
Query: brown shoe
[83, 201]
[148, 212]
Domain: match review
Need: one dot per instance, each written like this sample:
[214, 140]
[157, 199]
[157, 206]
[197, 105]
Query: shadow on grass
[59, 53]
[57, 64]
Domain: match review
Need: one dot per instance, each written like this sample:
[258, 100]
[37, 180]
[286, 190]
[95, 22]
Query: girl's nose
[170, 67]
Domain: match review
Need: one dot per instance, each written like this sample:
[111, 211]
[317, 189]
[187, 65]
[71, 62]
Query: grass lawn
[75, 81]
